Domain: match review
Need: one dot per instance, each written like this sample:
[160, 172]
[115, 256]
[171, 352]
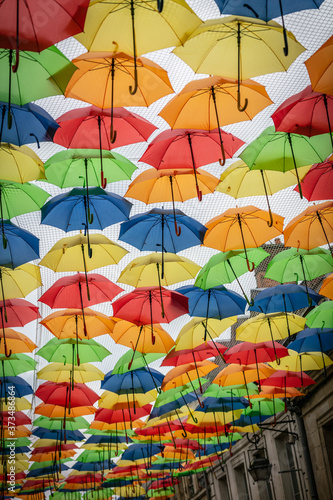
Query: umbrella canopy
[285, 151]
[140, 380]
[284, 298]
[17, 199]
[57, 394]
[311, 228]
[245, 227]
[18, 282]
[247, 353]
[321, 316]
[238, 38]
[304, 361]
[20, 164]
[14, 342]
[61, 350]
[313, 340]
[199, 353]
[319, 67]
[194, 332]
[273, 326]
[58, 372]
[326, 288]
[317, 184]
[181, 375]
[19, 246]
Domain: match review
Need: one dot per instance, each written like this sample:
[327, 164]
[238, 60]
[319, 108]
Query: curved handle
[90, 216]
[113, 134]
[271, 221]
[184, 434]
[239, 107]
[149, 473]
[17, 60]
[103, 180]
[285, 38]
[130, 364]
[201, 404]
[131, 89]
[250, 268]
[35, 136]
[90, 252]
[153, 338]
[199, 195]
[160, 4]
[178, 229]
[6, 352]
[222, 162]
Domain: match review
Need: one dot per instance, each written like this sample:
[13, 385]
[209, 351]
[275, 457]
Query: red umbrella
[126, 415]
[190, 148]
[50, 449]
[149, 305]
[57, 394]
[306, 113]
[32, 25]
[204, 351]
[70, 291]
[317, 185]
[287, 378]
[248, 353]
[19, 312]
[89, 128]
[20, 418]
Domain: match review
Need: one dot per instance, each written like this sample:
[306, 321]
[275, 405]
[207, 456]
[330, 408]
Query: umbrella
[313, 340]
[321, 316]
[102, 76]
[20, 164]
[306, 113]
[238, 38]
[297, 264]
[285, 151]
[17, 384]
[17, 199]
[239, 181]
[28, 124]
[181, 375]
[18, 282]
[209, 103]
[193, 333]
[225, 267]
[69, 323]
[90, 127]
[59, 22]
[144, 306]
[206, 350]
[14, 342]
[190, 148]
[319, 67]
[58, 372]
[311, 228]
[75, 166]
[285, 298]
[326, 287]
[243, 227]
[152, 231]
[139, 380]
[153, 186]
[303, 361]
[317, 184]
[247, 353]
[267, 10]
[138, 27]
[114, 401]
[57, 394]
[62, 350]
[16, 364]
[19, 246]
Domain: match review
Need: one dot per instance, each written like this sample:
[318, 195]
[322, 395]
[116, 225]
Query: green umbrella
[19, 441]
[48, 463]
[232, 436]
[283, 151]
[96, 455]
[140, 359]
[17, 199]
[237, 391]
[102, 494]
[65, 350]
[299, 265]
[321, 316]
[171, 394]
[65, 495]
[40, 74]
[225, 267]
[57, 423]
[99, 432]
[75, 167]
[16, 364]
[159, 492]
[264, 407]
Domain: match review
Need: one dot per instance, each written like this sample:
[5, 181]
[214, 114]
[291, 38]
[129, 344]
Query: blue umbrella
[154, 231]
[313, 340]
[93, 466]
[43, 433]
[211, 404]
[22, 388]
[85, 208]
[108, 438]
[217, 302]
[139, 451]
[19, 246]
[30, 123]
[139, 381]
[174, 405]
[286, 298]
[267, 10]
[50, 469]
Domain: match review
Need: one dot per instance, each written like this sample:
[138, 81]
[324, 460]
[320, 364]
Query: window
[201, 481]
[243, 491]
[288, 469]
[224, 488]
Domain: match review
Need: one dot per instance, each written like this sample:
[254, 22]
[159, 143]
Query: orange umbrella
[154, 186]
[270, 392]
[69, 324]
[327, 287]
[139, 338]
[311, 228]
[106, 80]
[55, 411]
[118, 426]
[244, 227]
[15, 342]
[320, 68]
[184, 374]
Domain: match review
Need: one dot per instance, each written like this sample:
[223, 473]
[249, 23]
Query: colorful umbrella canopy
[327, 287]
[273, 326]
[319, 67]
[311, 228]
[199, 353]
[20, 164]
[18, 282]
[61, 350]
[313, 340]
[58, 372]
[140, 380]
[17, 199]
[57, 394]
[247, 353]
[181, 375]
[284, 298]
[19, 246]
[245, 227]
[317, 184]
[193, 333]
[321, 316]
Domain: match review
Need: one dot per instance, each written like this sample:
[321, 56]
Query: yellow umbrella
[250, 47]
[327, 287]
[71, 253]
[272, 326]
[20, 164]
[57, 372]
[213, 418]
[20, 405]
[18, 282]
[184, 374]
[239, 181]
[114, 401]
[147, 270]
[69, 323]
[193, 333]
[20, 465]
[130, 491]
[305, 361]
[178, 453]
[139, 338]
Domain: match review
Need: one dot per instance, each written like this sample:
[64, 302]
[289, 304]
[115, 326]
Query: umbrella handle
[239, 106]
[113, 134]
[285, 48]
[178, 229]
[250, 268]
[103, 180]
[160, 4]
[199, 195]
[6, 352]
[222, 161]
[37, 141]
